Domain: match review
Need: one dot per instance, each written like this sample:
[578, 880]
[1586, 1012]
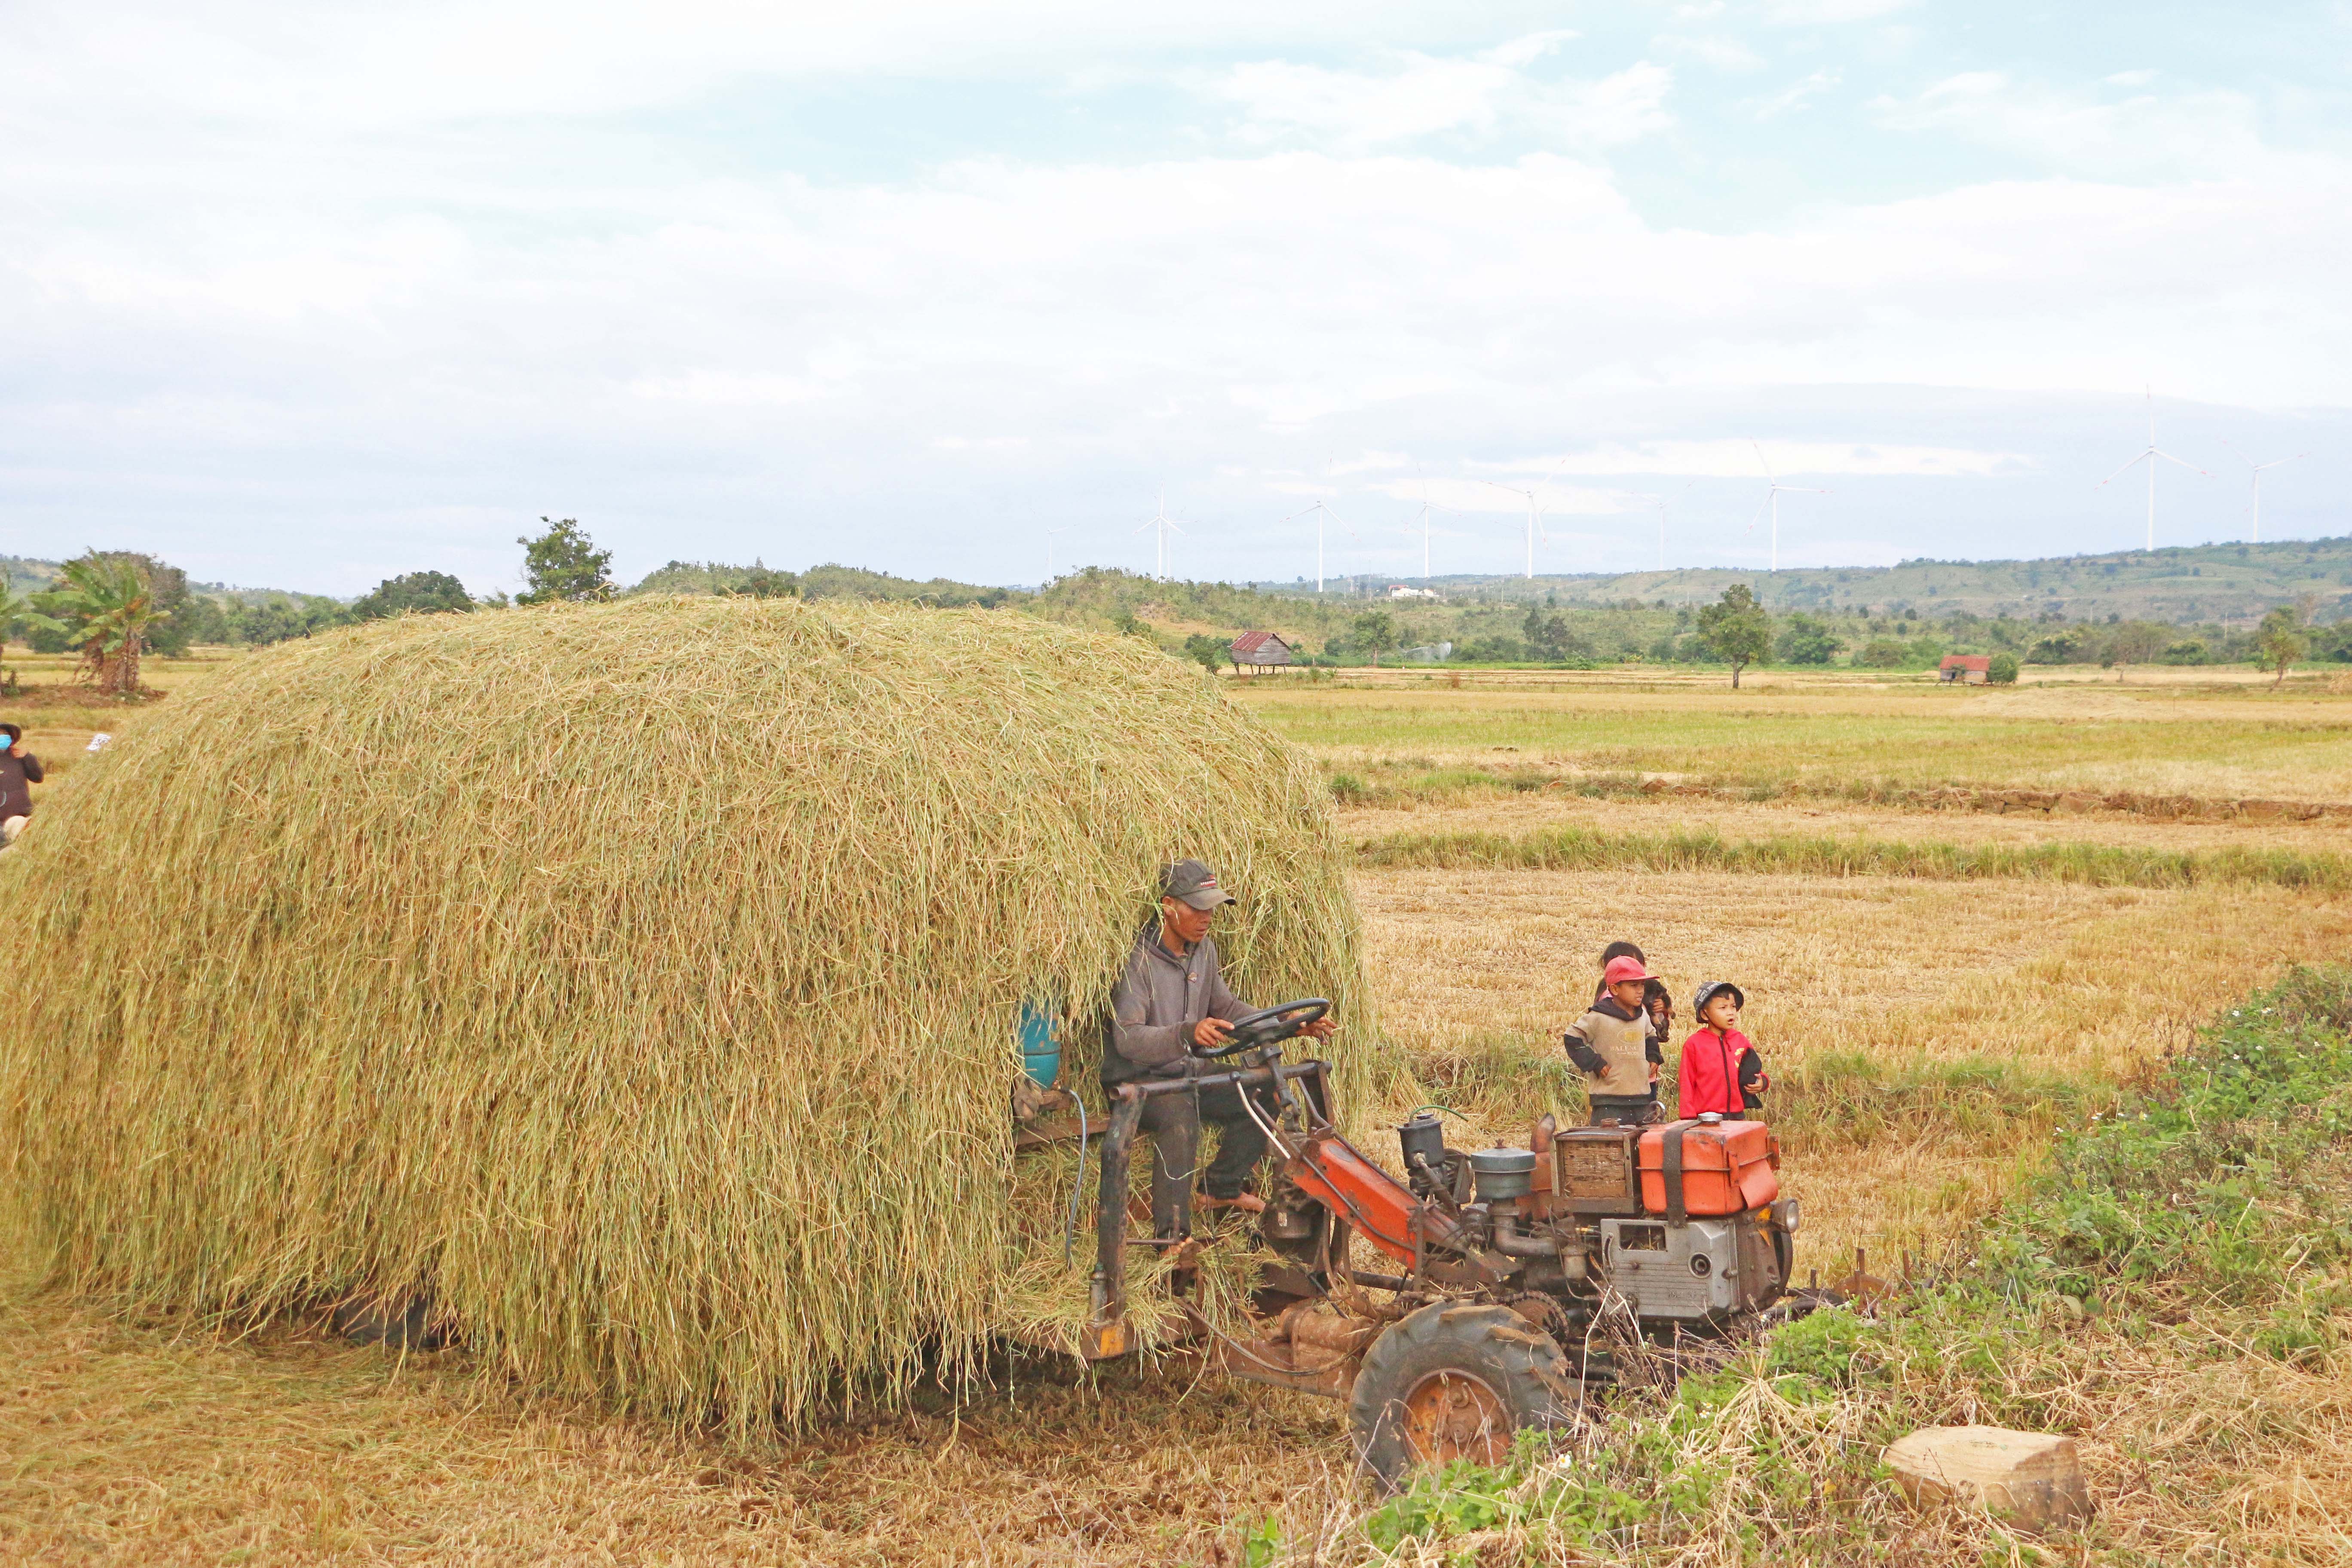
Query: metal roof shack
[1973, 667]
[1261, 651]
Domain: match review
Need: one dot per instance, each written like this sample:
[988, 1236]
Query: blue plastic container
[1041, 1045]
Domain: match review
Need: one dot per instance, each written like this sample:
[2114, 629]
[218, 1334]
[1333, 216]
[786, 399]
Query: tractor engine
[1684, 1222]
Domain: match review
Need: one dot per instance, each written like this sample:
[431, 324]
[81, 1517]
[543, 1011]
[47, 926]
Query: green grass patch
[2096, 865]
[1847, 1100]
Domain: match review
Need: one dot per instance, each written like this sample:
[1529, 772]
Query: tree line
[111, 606]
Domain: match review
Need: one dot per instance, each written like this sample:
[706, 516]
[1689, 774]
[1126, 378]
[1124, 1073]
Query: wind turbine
[2258, 469]
[1772, 500]
[1661, 521]
[1535, 520]
[1427, 506]
[1321, 512]
[1049, 551]
[1163, 522]
[2149, 457]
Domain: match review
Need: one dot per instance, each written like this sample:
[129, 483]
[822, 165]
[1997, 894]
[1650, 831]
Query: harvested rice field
[2006, 988]
[1928, 1035]
[2295, 744]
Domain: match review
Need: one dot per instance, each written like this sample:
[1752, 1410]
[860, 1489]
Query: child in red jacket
[1720, 1069]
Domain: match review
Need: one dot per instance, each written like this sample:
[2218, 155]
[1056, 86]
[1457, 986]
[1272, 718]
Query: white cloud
[342, 63]
[1737, 459]
[1826, 12]
[1456, 494]
[1522, 52]
[1479, 97]
[981, 443]
[1795, 95]
[1718, 50]
[2209, 133]
[732, 388]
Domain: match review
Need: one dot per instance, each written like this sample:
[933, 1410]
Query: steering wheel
[1264, 1026]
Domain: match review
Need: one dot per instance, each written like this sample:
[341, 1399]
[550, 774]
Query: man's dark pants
[1173, 1123]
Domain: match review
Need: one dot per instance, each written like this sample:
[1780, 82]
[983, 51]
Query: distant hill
[2230, 585]
[826, 581]
[29, 573]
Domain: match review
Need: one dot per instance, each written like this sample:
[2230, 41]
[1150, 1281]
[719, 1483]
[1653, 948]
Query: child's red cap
[1624, 969]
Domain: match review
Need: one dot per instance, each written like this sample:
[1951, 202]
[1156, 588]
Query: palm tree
[105, 605]
[13, 607]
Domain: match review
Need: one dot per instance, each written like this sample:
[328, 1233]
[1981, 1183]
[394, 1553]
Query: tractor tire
[1456, 1382]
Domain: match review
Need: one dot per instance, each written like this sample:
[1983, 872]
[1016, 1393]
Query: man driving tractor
[1170, 1000]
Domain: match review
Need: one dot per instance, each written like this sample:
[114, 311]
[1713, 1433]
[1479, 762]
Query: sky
[307, 296]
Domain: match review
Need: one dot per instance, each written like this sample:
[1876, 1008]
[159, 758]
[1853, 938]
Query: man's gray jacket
[1156, 1001]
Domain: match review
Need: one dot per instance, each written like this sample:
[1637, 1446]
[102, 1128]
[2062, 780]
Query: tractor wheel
[1454, 1383]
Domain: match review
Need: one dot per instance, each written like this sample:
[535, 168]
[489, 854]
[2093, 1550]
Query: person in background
[19, 771]
[1610, 954]
[1659, 1004]
[1720, 1069]
[1611, 1043]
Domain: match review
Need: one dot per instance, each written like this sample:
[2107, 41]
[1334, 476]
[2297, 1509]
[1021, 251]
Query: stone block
[2032, 1478]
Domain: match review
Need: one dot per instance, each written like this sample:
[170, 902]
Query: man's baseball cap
[1624, 969]
[1195, 884]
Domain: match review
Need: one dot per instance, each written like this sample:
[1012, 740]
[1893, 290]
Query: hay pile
[640, 979]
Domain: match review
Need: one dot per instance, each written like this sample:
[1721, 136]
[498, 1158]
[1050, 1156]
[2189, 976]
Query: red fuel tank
[1726, 1167]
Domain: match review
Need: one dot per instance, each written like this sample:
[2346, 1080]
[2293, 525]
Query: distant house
[1262, 650]
[1407, 590]
[1972, 668]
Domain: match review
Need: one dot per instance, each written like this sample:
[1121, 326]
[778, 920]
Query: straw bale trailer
[639, 980]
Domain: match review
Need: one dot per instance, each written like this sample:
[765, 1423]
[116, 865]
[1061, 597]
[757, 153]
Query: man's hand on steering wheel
[1209, 1032]
[1266, 1026]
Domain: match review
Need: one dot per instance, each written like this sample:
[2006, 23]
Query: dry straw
[641, 979]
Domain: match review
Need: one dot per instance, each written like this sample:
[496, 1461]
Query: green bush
[1831, 1346]
[1806, 640]
[2068, 646]
[2002, 670]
